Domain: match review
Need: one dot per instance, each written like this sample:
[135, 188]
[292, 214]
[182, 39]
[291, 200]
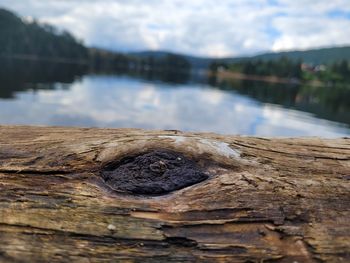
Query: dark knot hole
[153, 173]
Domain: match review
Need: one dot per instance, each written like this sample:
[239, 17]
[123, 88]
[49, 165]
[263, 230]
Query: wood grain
[283, 200]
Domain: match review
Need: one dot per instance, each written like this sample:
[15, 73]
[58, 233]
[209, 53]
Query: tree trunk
[256, 199]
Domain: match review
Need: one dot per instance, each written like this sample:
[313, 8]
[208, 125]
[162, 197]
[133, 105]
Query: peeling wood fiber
[280, 200]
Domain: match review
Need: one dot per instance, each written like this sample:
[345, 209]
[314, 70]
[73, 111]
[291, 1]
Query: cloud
[306, 32]
[199, 27]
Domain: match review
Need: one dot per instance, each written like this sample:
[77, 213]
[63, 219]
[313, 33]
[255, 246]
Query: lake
[193, 104]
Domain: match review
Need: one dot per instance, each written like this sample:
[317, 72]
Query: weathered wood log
[261, 199]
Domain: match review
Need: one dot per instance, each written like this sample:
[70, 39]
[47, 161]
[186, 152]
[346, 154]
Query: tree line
[102, 60]
[285, 67]
[19, 37]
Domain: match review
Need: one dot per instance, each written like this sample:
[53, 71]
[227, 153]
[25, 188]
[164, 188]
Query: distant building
[311, 68]
[221, 68]
[320, 68]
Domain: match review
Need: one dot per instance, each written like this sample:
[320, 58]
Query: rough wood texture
[280, 200]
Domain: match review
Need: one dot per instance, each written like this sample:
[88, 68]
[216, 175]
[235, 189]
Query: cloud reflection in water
[107, 101]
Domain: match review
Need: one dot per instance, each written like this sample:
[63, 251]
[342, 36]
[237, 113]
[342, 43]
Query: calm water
[229, 108]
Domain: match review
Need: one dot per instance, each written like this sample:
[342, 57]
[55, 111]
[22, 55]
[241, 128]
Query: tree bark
[283, 200]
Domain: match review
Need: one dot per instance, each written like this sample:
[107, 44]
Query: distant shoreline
[45, 59]
[229, 75]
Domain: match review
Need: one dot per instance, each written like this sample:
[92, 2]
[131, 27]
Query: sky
[197, 27]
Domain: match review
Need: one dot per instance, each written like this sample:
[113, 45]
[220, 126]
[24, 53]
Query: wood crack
[290, 205]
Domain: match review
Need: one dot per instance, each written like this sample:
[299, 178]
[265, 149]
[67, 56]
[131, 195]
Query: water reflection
[120, 101]
[65, 94]
[22, 75]
[331, 103]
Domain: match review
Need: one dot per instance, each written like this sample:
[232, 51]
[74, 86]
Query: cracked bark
[278, 200]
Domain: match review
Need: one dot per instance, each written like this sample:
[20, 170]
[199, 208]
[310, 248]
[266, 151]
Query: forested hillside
[313, 56]
[23, 38]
